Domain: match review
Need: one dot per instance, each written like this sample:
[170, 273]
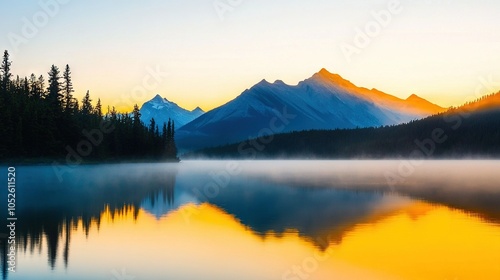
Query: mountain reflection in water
[282, 220]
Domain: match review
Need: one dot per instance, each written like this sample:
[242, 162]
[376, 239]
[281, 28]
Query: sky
[206, 52]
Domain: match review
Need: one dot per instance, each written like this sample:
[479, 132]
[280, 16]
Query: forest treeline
[472, 130]
[41, 119]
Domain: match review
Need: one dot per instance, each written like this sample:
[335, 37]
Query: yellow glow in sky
[444, 51]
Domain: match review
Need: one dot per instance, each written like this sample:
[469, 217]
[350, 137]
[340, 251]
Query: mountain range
[472, 130]
[323, 101]
[162, 110]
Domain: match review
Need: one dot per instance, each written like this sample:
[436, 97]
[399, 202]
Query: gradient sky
[442, 50]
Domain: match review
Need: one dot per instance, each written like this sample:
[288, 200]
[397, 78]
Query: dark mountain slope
[472, 130]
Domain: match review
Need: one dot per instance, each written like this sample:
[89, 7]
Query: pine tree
[54, 90]
[87, 108]
[164, 135]
[172, 140]
[33, 86]
[68, 90]
[5, 73]
[98, 109]
[114, 114]
[6, 123]
[42, 119]
[41, 86]
[136, 116]
[170, 148]
[152, 125]
[169, 132]
[76, 106]
[138, 134]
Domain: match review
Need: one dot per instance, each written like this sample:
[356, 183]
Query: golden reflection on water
[426, 242]
[419, 241]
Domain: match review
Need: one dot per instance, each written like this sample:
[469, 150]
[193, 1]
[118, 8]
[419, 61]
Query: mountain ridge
[323, 101]
[420, 104]
[471, 131]
[161, 109]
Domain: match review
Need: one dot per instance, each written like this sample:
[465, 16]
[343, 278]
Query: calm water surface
[259, 220]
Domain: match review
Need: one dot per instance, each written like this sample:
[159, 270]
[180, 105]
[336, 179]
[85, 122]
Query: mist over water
[210, 212]
[470, 184]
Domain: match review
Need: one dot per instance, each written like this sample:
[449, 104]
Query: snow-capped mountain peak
[159, 103]
[161, 109]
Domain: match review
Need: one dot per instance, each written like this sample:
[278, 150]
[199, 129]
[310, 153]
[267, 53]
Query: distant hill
[324, 101]
[161, 110]
[472, 130]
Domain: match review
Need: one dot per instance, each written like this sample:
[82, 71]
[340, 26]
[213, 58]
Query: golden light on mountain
[412, 105]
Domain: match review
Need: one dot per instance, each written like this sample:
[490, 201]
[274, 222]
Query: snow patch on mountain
[161, 109]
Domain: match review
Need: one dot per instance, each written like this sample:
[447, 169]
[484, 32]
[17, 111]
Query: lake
[288, 220]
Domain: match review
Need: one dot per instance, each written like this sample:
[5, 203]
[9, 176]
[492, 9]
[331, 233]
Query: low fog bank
[471, 185]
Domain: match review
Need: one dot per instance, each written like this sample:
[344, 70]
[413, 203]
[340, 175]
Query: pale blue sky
[438, 49]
